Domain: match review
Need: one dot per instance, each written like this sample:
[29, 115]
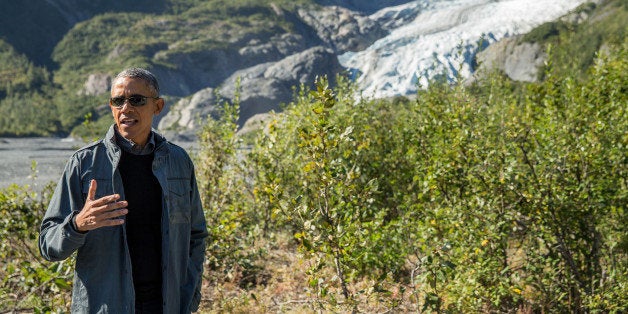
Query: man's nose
[126, 106]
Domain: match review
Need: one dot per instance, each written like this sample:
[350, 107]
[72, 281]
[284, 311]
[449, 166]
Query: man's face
[134, 123]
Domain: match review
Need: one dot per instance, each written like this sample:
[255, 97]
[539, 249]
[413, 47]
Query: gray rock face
[520, 61]
[269, 69]
[269, 85]
[195, 70]
[97, 84]
[342, 29]
[278, 45]
[523, 62]
[187, 110]
[263, 88]
[202, 69]
[181, 121]
[337, 28]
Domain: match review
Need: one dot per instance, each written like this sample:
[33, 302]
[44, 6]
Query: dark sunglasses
[134, 100]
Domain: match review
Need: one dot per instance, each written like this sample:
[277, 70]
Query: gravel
[17, 156]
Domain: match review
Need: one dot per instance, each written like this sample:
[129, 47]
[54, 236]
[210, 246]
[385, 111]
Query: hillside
[189, 45]
[59, 58]
[35, 27]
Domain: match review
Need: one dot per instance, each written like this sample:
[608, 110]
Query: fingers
[100, 217]
[102, 212]
[105, 206]
[91, 193]
[111, 222]
[91, 196]
[107, 203]
[114, 214]
[111, 210]
[112, 218]
[103, 201]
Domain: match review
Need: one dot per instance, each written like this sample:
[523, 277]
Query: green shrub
[28, 282]
[486, 201]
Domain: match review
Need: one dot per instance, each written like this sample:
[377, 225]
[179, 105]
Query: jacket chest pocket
[103, 188]
[179, 200]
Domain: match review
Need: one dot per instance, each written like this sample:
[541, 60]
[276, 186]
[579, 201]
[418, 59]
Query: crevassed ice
[442, 40]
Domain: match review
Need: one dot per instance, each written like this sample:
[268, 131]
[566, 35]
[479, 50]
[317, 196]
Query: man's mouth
[128, 121]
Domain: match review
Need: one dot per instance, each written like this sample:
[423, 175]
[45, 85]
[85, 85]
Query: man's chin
[127, 132]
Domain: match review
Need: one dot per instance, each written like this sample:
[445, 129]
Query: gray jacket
[102, 280]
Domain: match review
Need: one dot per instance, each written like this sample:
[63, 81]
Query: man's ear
[160, 106]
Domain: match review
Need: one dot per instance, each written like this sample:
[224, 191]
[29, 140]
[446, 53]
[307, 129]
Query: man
[129, 206]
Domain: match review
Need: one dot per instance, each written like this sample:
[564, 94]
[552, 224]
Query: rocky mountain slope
[200, 49]
[384, 50]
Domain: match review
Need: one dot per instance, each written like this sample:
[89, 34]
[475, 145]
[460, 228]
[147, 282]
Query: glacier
[438, 39]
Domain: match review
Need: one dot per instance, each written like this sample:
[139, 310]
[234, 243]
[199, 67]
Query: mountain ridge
[194, 47]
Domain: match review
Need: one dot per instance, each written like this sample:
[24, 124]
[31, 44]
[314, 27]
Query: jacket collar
[114, 150]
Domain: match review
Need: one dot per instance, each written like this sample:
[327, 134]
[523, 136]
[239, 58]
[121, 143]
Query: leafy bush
[29, 282]
[491, 200]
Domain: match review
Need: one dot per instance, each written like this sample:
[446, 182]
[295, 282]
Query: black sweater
[143, 223]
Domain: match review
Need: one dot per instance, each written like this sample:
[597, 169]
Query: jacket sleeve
[57, 238]
[197, 244]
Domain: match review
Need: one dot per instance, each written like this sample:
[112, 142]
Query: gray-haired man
[129, 206]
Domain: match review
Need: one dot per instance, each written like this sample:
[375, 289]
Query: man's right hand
[103, 212]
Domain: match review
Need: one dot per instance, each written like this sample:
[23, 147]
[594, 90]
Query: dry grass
[280, 285]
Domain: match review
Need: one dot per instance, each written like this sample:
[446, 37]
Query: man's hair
[140, 73]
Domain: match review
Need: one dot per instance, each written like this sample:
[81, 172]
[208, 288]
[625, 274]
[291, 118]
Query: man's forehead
[134, 83]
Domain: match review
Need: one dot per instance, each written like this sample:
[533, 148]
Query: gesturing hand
[102, 212]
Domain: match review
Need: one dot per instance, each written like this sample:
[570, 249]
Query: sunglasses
[134, 100]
